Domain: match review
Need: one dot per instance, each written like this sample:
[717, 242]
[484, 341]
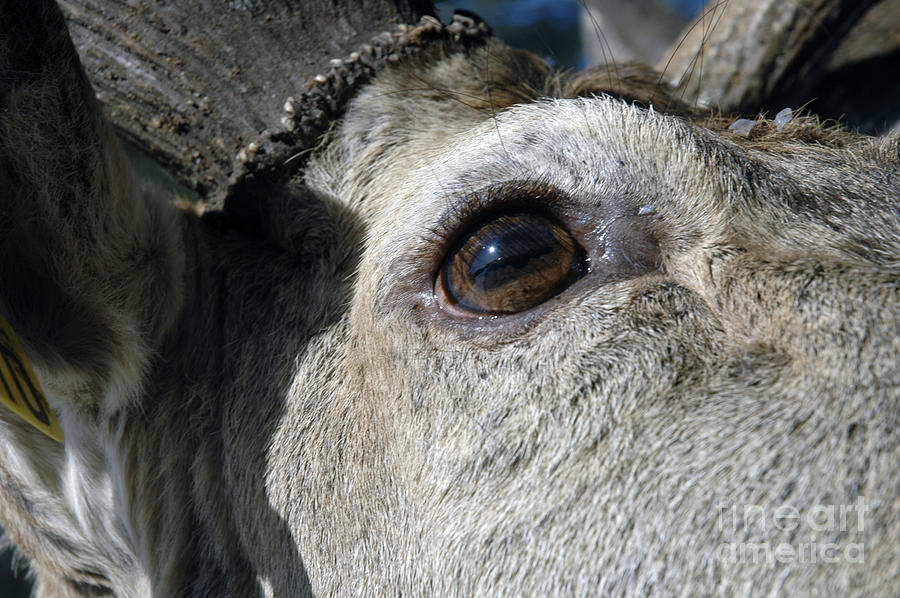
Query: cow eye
[508, 264]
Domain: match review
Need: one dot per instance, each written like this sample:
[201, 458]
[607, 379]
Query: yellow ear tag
[19, 388]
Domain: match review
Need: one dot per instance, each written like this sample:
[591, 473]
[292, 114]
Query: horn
[194, 83]
[274, 156]
[748, 55]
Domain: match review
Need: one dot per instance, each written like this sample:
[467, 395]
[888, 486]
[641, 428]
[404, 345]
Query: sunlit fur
[286, 411]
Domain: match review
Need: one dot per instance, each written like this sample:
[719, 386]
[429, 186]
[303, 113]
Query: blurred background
[566, 33]
[580, 33]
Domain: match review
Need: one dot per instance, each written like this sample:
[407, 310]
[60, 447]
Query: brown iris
[509, 264]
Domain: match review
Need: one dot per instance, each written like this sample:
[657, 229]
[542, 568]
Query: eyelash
[469, 208]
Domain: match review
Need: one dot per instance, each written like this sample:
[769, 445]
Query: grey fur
[279, 407]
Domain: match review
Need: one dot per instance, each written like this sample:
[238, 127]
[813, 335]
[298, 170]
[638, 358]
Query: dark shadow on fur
[861, 95]
[251, 287]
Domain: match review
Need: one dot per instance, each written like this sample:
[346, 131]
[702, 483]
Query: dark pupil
[512, 263]
[508, 251]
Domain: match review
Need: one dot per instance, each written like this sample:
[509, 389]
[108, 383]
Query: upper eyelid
[466, 208]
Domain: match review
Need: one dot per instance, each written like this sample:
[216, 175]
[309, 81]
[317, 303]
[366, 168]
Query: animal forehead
[585, 148]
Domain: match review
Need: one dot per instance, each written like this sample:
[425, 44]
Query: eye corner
[557, 241]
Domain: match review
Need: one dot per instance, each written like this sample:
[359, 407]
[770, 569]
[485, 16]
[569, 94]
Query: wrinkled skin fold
[281, 407]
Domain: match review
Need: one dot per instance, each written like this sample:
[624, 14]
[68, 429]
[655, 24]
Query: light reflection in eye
[509, 264]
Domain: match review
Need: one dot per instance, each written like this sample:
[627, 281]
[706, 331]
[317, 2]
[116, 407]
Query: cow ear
[192, 83]
[90, 265]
